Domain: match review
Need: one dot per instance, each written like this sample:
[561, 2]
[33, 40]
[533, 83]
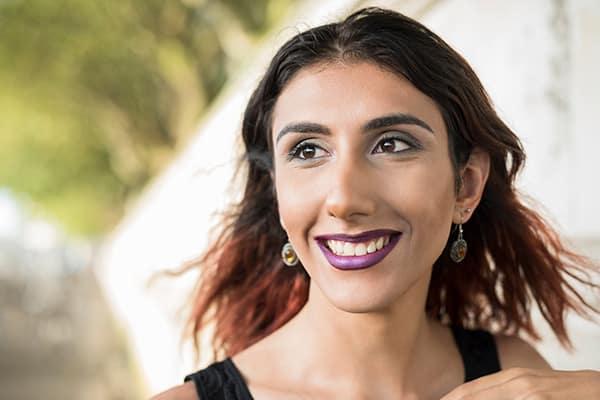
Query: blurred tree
[95, 97]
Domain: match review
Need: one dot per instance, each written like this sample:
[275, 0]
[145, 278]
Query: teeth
[339, 247]
[372, 247]
[360, 249]
[349, 249]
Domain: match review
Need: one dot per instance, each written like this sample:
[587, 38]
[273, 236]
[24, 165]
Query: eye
[392, 145]
[306, 151]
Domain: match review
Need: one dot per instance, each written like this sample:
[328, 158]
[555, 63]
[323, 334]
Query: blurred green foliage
[97, 96]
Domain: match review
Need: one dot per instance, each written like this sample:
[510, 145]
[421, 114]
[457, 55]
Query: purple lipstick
[358, 262]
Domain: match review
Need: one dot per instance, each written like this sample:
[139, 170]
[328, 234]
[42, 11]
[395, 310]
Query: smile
[342, 248]
[347, 252]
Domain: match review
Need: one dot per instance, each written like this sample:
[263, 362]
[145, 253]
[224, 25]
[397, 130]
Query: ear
[473, 176]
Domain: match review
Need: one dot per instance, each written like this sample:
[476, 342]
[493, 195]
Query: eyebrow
[376, 123]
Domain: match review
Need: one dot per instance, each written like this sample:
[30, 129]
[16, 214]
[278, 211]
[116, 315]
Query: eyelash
[294, 153]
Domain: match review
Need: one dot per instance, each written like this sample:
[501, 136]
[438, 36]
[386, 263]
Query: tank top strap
[220, 381]
[478, 351]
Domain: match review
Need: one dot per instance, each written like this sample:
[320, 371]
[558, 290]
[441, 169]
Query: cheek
[428, 203]
[297, 204]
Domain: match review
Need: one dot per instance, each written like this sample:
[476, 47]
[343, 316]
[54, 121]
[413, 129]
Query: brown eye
[388, 145]
[391, 145]
[306, 151]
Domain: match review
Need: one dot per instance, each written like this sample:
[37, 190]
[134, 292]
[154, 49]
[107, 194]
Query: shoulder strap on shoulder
[478, 351]
[219, 381]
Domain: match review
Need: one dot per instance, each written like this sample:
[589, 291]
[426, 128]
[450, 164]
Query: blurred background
[118, 141]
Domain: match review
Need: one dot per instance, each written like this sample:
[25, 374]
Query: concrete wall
[538, 60]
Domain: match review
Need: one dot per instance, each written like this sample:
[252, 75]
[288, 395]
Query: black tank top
[223, 381]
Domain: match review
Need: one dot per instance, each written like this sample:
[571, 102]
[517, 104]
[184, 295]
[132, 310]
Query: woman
[379, 172]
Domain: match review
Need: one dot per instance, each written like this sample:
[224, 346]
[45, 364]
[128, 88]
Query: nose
[352, 190]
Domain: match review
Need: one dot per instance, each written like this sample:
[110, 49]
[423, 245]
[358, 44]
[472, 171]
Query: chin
[360, 303]
[375, 294]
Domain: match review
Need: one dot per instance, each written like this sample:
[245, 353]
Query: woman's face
[359, 151]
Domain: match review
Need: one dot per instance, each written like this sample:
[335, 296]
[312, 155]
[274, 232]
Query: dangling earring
[288, 255]
[458, 251]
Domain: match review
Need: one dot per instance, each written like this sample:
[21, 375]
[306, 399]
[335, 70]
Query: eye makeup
[308, 149]
[405, 138]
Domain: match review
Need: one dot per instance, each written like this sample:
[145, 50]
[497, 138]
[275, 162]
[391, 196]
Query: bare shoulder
[515, 352]
[186, 391]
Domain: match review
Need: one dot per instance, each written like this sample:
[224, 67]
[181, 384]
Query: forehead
[342, 95]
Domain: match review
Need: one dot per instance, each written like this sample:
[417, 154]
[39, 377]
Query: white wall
[539, 61]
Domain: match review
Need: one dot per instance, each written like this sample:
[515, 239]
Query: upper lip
[359, 237]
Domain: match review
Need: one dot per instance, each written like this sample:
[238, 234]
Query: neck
[392, 349]
[357, 336]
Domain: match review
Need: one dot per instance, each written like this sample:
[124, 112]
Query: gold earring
[288, 255]
[458, 251]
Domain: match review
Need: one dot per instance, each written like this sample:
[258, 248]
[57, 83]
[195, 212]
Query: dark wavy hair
[515, 257]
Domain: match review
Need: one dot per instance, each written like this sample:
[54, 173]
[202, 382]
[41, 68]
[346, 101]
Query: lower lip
[358, 262]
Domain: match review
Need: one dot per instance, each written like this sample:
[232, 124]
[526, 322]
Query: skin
[363, 334]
